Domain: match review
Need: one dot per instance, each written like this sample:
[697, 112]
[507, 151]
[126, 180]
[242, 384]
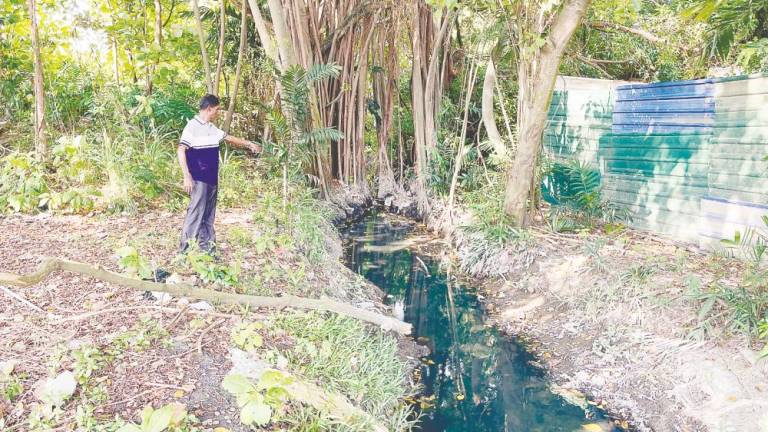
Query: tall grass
[346, 357]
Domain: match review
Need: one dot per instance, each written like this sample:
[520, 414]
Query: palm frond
[319, 72]
[321, 136]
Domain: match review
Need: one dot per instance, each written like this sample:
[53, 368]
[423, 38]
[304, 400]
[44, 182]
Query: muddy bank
[614, 317]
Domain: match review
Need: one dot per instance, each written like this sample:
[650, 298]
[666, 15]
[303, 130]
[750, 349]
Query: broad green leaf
[130, 427]
[160, 419]
[272, 378]
[276, 395]
[257, 413]
[237, 384]
[146, 414]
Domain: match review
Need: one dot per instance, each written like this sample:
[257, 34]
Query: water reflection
[476, 379]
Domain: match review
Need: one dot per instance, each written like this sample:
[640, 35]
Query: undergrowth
[348, 358]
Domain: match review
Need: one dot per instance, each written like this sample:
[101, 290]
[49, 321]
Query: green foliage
[347, 358]
[573, 190]
[752, 245]
[133, 263]
[440, 171]
[745, 309]
[205, 266]
[592, 250]
[11, 383]
[138, 338]
[259, 403]
[87, 360]
[172, 418]
[245, 335]
[489, 220]
[22, 185]
[295, 140]
[737, 30]
[302, 223]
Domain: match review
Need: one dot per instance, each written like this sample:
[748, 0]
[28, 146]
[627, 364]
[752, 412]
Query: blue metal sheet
[662, 84]
[641, 129]
[662, 92]
[691, 105]
[667, 119]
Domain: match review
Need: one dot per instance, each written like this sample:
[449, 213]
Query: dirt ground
[613, 316]
[181, 357]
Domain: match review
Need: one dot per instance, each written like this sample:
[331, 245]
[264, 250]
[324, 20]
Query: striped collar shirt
[202, 141]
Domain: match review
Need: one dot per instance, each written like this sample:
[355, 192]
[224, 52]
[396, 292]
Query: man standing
[199, 159]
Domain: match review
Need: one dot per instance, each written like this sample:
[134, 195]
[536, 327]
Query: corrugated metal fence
[685, 157]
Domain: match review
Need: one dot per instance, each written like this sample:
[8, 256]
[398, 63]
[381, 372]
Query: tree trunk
[157, 47]
[537, 72]
[419, 139]
[203, 51]
[433, 86]
[487, 107]
[282, 35]
[460, 151]
[41, 145]
[266, 39]
[222, 31]
[238, 69]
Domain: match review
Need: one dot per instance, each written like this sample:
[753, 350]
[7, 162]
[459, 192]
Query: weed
[592, 250]
[639, 274]
[246, 336]
[171, 418]
[139, 338]
[87, 360]
[490, 226]
[11, 384]
[573, 190]
[133, 263]
[260, 403]
[744, 310]
[347, 358]
[203, 264]
[752, 246]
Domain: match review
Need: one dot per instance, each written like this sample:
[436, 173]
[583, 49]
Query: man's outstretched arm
[242, 143]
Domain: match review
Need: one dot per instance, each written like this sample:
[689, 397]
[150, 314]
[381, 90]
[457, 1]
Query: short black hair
[209, 100]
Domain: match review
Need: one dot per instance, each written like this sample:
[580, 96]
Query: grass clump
[344, 356]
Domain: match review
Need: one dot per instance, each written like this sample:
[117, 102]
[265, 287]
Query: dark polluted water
[475, 379]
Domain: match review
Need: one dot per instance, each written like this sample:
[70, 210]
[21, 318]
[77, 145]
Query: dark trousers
[198, 224]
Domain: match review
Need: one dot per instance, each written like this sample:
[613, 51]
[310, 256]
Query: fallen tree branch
[50, 265]
[205, 332]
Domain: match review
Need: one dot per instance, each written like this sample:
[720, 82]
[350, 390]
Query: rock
[201, 305]
[246, 364]
[162, 297]
[520, 311]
